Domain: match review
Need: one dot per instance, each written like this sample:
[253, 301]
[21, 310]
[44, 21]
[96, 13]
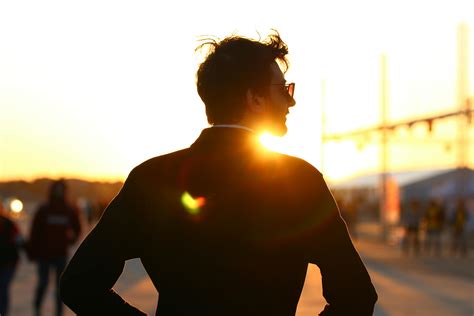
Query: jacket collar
[225, 137]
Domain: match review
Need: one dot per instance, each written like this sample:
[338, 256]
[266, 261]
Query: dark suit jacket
[239, 246]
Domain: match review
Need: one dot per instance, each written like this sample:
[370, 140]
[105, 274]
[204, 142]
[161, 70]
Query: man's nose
[291, 102]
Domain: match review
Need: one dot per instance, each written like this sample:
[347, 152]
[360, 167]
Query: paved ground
[406, 285]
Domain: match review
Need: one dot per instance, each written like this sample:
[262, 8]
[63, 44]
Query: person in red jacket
[55, 227]
[10, 242]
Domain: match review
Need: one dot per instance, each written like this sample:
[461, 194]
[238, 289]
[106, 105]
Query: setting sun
[273, 143]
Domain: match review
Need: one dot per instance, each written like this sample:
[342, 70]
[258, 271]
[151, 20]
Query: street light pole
[383, 146]
[463, 102]
[323, 122]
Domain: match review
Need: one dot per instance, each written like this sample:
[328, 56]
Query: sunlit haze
[90, 89]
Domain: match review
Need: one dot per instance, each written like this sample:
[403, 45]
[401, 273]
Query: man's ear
[255, 102]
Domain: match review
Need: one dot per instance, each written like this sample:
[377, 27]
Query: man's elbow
[67, 290]
[375, 297]
[370, 300]
[363, 306]
[363, 303]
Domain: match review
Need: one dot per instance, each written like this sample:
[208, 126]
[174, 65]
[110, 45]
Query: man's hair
[233, 66]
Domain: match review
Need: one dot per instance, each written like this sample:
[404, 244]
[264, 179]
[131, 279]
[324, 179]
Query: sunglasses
[289, 87]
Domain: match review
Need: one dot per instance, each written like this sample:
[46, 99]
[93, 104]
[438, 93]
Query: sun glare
[272, 143]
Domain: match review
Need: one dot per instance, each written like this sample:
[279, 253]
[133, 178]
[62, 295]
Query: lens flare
[192, 205]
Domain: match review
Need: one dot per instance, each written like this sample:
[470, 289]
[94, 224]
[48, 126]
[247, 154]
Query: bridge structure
[464, 116]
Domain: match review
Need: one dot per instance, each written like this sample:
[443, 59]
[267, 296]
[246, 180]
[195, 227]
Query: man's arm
[86, 284]
[347, 287]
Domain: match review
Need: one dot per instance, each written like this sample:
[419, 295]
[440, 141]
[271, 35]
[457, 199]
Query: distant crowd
[431, 220]
[56, 225]
[430, 227]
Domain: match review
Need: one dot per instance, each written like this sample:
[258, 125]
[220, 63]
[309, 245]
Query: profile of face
[276, 103]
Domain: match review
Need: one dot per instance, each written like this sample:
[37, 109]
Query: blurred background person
[411, 220]
[434, 221]
[56, 225]
[459, 222]
[10, 243]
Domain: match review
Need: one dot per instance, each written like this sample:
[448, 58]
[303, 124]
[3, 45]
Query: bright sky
[90, 89]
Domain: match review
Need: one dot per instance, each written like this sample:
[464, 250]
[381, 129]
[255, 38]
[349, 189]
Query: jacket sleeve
[347, 286]
[86, 284]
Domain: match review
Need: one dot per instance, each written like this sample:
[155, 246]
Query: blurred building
[422, 184]
[444, 185]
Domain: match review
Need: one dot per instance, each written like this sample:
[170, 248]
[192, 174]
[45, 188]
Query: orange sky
[91, 89]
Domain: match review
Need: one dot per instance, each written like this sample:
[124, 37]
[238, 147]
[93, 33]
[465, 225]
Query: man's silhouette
[224, 227]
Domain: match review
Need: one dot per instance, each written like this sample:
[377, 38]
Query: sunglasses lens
[291, 89]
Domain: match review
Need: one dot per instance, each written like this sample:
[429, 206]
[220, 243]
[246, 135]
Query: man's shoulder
[159, 162]
[293, 165]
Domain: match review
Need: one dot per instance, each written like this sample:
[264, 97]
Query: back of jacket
[225, 228]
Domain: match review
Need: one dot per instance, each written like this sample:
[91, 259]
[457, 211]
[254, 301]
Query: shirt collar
[234, 126]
